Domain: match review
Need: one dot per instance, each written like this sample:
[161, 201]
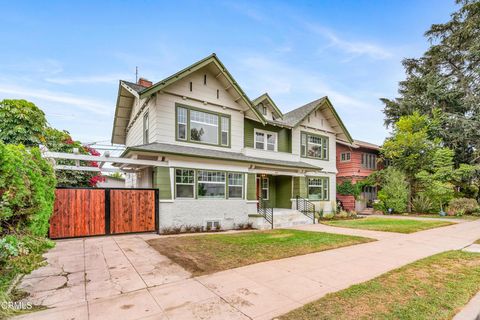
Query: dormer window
[145, 128]
[262, 109]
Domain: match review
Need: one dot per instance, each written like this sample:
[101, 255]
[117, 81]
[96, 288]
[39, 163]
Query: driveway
[121, 277]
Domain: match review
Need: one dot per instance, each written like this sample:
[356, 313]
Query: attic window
[191, 86]
[205, 79]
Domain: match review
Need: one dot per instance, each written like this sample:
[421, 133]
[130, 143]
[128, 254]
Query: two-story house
[222, 151]
[355, 163]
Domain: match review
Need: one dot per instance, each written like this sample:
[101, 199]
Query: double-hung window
[264, 188]
[318, 188]
[265, 140]
[313, 146]
[211, 184]
[184, 183]
[235, 185]
[202, 127]
[345, 156]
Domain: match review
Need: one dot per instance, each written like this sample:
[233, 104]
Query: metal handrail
[306, 207]
[265, 210]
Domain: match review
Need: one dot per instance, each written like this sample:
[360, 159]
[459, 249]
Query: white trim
[277, 173]
[86, 157]
[345, 153]
[85, 168]
[265, 139]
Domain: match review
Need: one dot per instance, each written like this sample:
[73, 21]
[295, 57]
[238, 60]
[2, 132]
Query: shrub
[189, 228]
[27, 190]
[422, 204]
[394, 192]
[342, 214]
[249, 225]
[177, 229]
[218, 227]
[328, 215]
[198, 228]
[347, 188]
[461, 206]
[208, 228]
[166, 230]
[240, 226]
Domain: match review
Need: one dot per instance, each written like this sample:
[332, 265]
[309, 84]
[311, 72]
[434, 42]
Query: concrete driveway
[121, 277]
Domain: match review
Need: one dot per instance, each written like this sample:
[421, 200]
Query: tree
[22, 122]
[447, 78]
[410, 148]
[394, 191]
[61, 141]
[435, 182]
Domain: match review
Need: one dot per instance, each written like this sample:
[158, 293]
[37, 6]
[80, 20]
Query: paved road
[122, 278]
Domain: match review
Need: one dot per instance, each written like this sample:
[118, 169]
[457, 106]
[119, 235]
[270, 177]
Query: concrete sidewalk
[126, 279]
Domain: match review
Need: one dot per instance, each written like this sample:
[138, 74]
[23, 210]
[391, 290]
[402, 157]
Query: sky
[67, 57]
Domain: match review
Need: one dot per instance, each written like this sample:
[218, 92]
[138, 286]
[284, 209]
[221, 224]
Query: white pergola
[121, 164]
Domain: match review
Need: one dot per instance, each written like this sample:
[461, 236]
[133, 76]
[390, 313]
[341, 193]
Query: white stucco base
[198, 212]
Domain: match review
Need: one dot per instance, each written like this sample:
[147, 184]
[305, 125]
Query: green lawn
[388, 224]
[204, 254]
[436, 216]
[432, 288]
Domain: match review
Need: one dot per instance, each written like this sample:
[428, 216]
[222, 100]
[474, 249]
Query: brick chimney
[144, 82]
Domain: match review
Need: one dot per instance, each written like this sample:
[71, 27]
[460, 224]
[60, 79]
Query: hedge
[27, 190]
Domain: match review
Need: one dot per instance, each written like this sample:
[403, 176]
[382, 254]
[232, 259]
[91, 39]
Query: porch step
[283, 218]
[367, 211]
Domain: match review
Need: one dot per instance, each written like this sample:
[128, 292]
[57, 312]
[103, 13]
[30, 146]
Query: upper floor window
[145, 128]
[313, 146]
[265, 140]
[262, 109]
[202, 127]
[345, 156]
[369, 161]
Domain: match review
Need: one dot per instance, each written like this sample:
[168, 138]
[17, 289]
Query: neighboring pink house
[355, 164]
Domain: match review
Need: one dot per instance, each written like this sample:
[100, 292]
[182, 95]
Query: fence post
[107, 211]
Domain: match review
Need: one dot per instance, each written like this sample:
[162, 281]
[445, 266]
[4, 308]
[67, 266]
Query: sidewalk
[260, 291]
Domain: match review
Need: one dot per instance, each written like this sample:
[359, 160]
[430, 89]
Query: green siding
[251, 186]
[272, 191]
[283, 192]
[284, 135]
[300, 187]
[161, 180]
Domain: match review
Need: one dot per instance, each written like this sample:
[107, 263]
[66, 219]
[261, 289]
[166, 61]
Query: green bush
[328, 215]
[27, 190]
[394, 191]
[422, 204]
[461, 206]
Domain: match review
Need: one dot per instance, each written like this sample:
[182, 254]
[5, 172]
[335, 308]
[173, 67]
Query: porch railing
[265, 210]
[306, 207]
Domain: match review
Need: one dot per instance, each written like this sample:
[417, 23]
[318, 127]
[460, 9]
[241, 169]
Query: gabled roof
[367, 145]
[167, 148]
[266, 97]
[128, 91]
[296, 116]
[222, 71]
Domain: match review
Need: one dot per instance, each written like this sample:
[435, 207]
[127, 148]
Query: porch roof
[166, 148]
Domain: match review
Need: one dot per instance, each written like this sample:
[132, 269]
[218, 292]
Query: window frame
[242, 185]
[304, 153]
[195, 184]
[262, 179]
[324, 185]
[220, 117]
[345, 153]
[265, 139]
[367, 159]
[146, 128]
[182, 183]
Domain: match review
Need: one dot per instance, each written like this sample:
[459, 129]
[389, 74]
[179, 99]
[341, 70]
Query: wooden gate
[80, 212]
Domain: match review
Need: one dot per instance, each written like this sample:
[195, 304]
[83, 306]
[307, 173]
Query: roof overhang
[125, 99]
[222, 75]
[266, 98]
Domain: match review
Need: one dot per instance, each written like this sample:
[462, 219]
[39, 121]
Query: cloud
[91, 105]
[113, 78]
[355, 48]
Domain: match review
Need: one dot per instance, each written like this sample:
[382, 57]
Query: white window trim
[235, 185]
[184, 184]
[265, 132]
[267, 188]
[345, 153]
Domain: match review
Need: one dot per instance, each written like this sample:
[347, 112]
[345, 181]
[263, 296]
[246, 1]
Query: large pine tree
[447, 78]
